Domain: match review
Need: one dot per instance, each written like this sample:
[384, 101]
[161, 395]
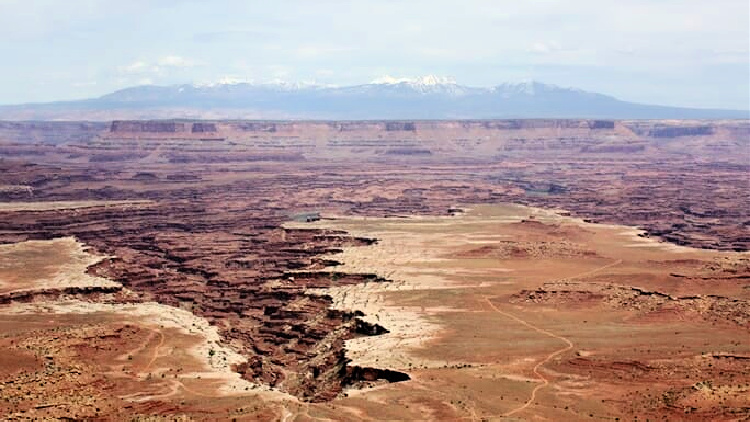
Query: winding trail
[545, 382]
[568, 343]
[156, 351]
[595, 270]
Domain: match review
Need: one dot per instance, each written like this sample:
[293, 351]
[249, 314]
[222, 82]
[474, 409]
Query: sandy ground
[48, 264]
[408, 262]
[158, 317]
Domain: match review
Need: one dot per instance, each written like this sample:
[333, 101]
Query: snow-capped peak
[428, 80]
[225, 80]
[529, 88]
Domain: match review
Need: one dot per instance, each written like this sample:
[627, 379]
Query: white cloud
[176, 61]
[137, 67]
[159, 67]
[160, 71]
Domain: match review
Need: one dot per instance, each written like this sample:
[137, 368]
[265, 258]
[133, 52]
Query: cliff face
[653, 129]
[50, 132]
[423, 125]
[52, 126]
[602, 124]
[674, 132]
[202, 127]
[160, 126]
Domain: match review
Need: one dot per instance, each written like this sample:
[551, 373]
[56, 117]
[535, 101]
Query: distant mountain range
[427, 97]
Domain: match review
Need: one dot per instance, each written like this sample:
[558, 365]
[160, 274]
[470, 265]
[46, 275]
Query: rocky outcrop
[674, 132]
[116, 157]
[602, 124]
[400, 126]
[408, 151]
[203, 127]
[614, 148]
[356, 374]
[675, 129]
[233, 158]
[52, 294]
[258, 127]
[714, 308]
[155, 126]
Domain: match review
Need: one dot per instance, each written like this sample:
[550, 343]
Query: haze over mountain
[428, 97]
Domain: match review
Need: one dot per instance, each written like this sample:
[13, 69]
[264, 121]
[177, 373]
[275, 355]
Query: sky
[693, 53]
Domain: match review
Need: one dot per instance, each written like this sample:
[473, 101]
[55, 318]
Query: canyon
[303, 270]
